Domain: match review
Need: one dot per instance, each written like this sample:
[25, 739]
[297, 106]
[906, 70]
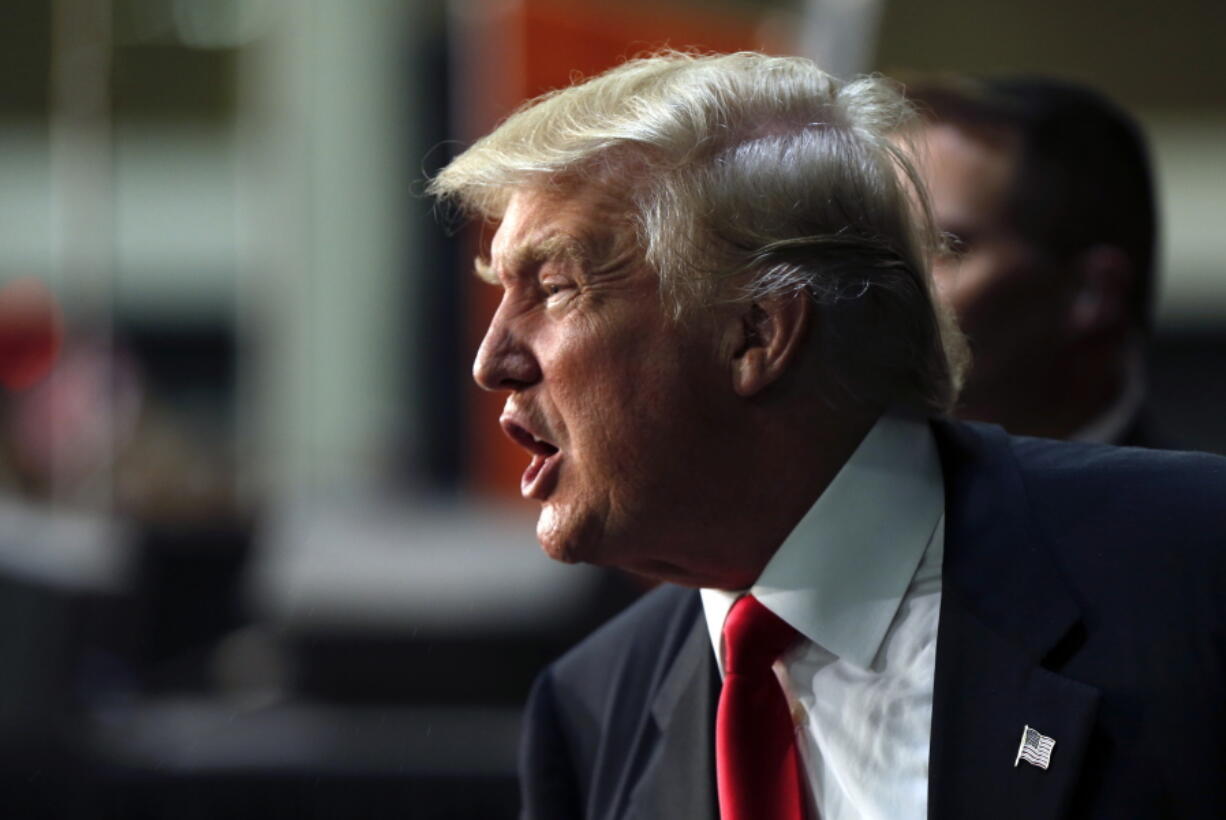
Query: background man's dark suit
[1083, 595]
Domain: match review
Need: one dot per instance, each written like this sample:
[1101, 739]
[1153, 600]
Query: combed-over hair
[747, 177]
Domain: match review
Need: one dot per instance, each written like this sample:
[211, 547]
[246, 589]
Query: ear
[1105, 277]
[771, 337]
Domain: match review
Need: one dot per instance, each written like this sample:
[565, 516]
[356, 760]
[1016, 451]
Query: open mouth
[539, 478]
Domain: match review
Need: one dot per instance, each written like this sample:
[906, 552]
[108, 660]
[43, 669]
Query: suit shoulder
[1148, 487]
[648, 630]
[592, 723]
[1148, 524]
[1141, 524]
[598, 696]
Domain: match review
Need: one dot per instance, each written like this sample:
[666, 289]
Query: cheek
[599, 417]
[621, 419]
[984, 288]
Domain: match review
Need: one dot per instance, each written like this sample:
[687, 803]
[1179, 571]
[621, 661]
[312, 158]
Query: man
[1044, 189]
[719, 345]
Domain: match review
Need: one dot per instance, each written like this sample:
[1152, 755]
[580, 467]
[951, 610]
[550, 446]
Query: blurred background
[261, 552]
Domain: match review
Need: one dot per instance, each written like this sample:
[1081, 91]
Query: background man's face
[618, 404]
[1009, 297]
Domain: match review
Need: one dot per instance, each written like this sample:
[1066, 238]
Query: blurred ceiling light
[202, 24]
[840, 35]
[219, 24]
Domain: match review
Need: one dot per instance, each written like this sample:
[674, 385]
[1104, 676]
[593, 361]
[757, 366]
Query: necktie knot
[754, 637]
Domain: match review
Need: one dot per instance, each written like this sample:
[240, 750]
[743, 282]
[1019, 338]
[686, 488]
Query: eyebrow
[557, 247]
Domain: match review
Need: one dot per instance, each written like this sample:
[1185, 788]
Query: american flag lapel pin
[1035, 749]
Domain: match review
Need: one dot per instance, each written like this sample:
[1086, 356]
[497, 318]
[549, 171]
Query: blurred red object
[31, 332]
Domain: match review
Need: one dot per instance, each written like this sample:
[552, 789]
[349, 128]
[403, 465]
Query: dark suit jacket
[1083, 595]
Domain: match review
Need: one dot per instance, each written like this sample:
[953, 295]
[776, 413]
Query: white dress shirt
[860, 578]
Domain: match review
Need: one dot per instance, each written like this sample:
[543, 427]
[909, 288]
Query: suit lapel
[986, 692]
[1006, 619]
[679, 777]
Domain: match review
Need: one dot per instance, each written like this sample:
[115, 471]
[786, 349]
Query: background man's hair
[748, 177]
[1083, 171]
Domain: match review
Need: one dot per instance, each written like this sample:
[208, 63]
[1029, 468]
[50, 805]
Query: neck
[794, 461]
[1054, 401]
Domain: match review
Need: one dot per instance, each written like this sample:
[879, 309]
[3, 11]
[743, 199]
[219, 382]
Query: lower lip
[541, 476]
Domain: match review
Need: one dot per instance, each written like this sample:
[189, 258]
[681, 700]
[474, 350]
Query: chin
[565, 553]
[555, 540]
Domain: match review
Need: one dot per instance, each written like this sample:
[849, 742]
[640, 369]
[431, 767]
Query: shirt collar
[841, 574]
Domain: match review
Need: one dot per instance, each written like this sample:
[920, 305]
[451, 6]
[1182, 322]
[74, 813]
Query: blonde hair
[750, 176]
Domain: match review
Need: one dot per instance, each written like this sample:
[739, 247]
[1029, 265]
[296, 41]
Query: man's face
[618, 404]
[1009, 297]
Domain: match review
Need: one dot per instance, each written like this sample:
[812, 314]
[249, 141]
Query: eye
[954, 244]
[555, 287]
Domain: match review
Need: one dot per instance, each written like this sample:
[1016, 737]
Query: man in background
[1044, 190]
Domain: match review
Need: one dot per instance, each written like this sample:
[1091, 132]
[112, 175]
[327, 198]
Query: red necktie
[757, 764]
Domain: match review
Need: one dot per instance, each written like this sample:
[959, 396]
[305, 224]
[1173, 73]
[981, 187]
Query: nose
[505, 360]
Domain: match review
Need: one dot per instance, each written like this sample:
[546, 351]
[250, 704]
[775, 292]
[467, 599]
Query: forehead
[969, 172]
[545, 223]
